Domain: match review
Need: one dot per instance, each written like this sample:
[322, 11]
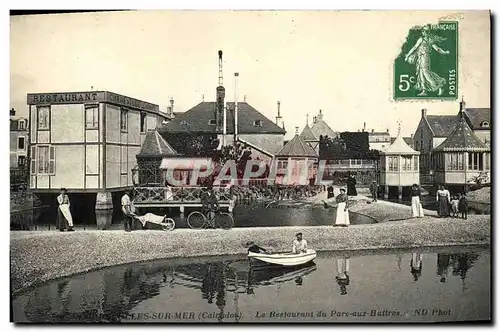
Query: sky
[338, 61]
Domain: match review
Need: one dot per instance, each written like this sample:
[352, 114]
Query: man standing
[209, 202]
[127, 212]
[374, 190]
[299, 245]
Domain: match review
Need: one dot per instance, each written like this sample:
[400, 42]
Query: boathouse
[296, 162]
[86, 142]
[461, 158]
[399, 168]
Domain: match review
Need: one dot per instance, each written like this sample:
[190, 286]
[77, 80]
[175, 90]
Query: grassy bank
[37, 257]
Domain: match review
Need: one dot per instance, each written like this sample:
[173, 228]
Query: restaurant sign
[89, 98]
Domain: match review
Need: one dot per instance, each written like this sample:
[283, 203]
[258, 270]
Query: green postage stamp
[426, 67]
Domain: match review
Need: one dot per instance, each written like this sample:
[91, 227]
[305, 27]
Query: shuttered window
[33, 160]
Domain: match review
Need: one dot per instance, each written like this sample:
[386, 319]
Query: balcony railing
[176, 195]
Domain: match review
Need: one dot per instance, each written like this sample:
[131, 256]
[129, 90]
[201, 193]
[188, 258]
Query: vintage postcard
[250, 167]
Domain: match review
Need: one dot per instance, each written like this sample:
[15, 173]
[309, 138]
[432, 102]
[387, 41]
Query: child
[463, 206]
[454, 206]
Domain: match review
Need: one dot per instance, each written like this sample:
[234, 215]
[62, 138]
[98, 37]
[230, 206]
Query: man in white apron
[127, 212]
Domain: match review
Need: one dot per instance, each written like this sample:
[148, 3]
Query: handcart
[167, 224]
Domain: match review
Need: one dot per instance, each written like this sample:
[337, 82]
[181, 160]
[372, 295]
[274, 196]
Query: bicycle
[197, 220]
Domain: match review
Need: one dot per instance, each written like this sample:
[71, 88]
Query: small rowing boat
[284, 259]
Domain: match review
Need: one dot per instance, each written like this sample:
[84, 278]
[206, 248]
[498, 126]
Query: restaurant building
[87, 142]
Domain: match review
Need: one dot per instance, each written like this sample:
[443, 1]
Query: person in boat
[299, 244]
[342, 218]
[252, 247]
[443, 200]
[416, 207]
[64, 217]
[209, 204]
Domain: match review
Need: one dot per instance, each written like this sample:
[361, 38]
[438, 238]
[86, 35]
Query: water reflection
[342, 276]
[112, 294]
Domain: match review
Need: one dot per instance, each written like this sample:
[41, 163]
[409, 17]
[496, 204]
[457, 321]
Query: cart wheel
[168, 224]
[224, 220]
[196, 220]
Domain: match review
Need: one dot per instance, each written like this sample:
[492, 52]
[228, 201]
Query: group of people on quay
[449, 205]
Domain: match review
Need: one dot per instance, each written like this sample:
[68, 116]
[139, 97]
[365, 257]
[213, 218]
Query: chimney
[373, 130]
[315, 118]
[364, 126]
[12, 112]
[411, 135]
[387, 130]
[296, 130]
[169, 111]
[278, 118]
[172, 104]
[320, 115]
[424, 112]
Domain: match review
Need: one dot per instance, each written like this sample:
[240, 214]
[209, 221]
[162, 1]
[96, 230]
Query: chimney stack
[373, 130]
[411, 135]
[315, 118]
[364, 126]
[296, 130]
[320, 115]
[172, 104]
[12, 112]
[424, 112]
[169, 111]
[387, 130]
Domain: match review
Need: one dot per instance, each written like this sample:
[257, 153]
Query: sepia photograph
[250, 166]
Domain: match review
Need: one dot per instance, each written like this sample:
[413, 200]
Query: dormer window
[212, 122]
[257, 123]
[184, 124]
[485, 124]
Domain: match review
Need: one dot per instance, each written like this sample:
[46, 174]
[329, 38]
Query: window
[91, 116]
[20, 143]
[454, 162]
[21, 161]
[415, 163]
[123, 120]
[43, 117]
[257, 123]
[212, 122]
[43, 162]
[406, 163]
[393, 164]
[475, 161]
[21, 125]
[377, 140]
[485, 124]
[430, 145]
[143, 123]
[487, 161]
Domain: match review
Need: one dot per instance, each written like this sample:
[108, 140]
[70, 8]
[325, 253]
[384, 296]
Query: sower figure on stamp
[420, 55]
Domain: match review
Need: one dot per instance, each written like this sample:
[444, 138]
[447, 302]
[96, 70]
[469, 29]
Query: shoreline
[41, 256]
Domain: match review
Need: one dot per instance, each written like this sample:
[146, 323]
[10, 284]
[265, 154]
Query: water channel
[447, 284]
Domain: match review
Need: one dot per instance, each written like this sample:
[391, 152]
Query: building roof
[462, 139]
[307, 134]
[297, 147]
[408, 140]
[197, 120]
[476, 116]
[443, 125]
[399, 147]
[155, 146]
[321, 128]
[14, 124]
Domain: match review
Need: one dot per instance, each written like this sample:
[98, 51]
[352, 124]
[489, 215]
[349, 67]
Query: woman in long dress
[342, 217]
[416, 207]
[420, 55]
[443, 200]
[351, 186]
[64, 217]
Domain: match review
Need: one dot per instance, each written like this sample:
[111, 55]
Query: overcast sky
[340, 62]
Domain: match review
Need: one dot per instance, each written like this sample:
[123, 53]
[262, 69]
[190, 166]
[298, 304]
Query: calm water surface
[452, 285]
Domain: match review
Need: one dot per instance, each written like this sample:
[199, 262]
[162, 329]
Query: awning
[186, 164]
